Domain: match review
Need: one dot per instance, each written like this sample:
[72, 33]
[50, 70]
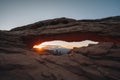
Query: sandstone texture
[96, 62]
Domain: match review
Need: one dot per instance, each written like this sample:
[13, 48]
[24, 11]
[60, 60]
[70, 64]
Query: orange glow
[38, 48]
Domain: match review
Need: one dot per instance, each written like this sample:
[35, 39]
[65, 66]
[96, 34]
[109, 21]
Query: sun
[38, 47]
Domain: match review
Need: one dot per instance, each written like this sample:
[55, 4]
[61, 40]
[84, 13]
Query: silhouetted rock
[96, 62]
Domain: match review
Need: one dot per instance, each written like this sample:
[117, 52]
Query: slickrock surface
[95, 62]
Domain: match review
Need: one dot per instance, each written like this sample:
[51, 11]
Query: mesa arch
[16, 56]
[66, 29]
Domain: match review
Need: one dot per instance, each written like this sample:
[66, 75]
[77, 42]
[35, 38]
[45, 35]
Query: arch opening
[59, 47]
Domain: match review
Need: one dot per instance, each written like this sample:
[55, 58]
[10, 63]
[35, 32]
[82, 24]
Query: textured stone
[95, 62]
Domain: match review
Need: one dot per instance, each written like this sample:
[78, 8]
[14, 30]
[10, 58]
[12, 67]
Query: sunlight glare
[69, 45]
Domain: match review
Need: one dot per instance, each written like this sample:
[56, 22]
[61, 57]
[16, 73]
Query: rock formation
[106, 29]
[96, 62]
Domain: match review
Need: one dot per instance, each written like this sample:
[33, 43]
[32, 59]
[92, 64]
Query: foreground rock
[96, 62]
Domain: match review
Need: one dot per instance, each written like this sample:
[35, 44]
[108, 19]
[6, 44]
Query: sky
[65, 44]
[15, 13]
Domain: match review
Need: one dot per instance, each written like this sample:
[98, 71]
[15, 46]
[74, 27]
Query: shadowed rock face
[95, 62]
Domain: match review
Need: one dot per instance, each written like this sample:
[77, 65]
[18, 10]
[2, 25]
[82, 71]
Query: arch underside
[70, 37]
